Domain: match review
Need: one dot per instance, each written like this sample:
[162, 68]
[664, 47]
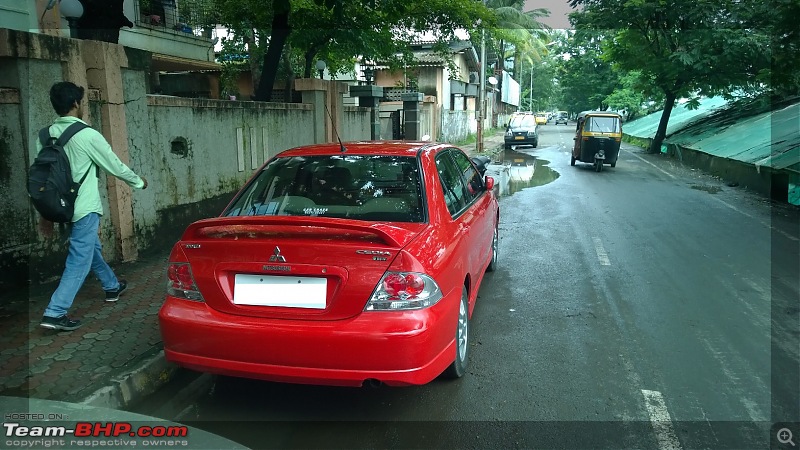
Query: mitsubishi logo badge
[277, 257]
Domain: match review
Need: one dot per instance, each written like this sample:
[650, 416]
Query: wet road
[645, 306]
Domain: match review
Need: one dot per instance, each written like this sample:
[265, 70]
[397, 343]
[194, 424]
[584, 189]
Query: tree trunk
[309, 58]
[287, 88]
[255, 68]
[280, 32]
[661, 133]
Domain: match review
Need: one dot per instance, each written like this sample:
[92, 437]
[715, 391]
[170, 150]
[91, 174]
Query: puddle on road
[514, 171]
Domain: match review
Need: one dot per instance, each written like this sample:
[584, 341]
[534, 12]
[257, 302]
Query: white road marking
[661, 421]
[657, 168]
[601, 252]
[785, 234]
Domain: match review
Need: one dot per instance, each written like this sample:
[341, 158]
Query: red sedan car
[337, 265]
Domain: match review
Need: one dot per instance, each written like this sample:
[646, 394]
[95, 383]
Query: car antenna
[341, 146]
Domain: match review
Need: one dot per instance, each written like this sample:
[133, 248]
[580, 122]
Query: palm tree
[517, 35]
[518, 32]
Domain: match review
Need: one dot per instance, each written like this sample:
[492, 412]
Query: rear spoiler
[390, 234]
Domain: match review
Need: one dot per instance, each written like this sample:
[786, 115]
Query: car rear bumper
[397, 348]
[525, 141]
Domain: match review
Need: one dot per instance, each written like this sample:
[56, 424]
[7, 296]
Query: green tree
[628, 96]
[340, 30]
[685, 47]
[586, 79]
[776, 19]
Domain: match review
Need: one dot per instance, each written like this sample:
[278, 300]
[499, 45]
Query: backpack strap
[44, 134]
[69, 132]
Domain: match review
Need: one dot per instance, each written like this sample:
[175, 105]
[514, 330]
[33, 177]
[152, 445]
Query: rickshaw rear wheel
[571, 160]
[614, 164]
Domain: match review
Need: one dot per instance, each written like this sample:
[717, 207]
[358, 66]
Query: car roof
[598, 113]
[385, 148]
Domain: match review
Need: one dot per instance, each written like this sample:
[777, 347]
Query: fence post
[411, 103]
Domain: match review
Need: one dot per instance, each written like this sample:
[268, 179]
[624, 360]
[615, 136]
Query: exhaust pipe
[372, 383]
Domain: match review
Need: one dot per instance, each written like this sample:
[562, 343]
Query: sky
[558, 12]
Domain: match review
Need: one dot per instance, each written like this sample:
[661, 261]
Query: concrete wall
[456, 125]
[167, 42]
[17, 229]
[25, 16]
[195, 153]
[355, 124]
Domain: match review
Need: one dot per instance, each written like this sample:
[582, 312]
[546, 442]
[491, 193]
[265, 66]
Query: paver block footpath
[114, 359]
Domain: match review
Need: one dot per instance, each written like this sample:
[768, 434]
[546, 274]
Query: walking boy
[87, 150]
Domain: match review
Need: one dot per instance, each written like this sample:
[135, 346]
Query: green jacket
[86, 150]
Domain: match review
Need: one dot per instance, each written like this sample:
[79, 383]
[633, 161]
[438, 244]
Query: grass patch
[470, 139]
[637, 141]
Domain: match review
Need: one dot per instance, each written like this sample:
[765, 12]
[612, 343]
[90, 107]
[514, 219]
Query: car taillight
[403, 291]
[180, 282]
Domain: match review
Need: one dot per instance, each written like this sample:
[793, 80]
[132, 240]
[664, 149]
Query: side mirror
[489, 183]
[480, 162]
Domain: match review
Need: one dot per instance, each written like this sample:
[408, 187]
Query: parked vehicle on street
[521, 130]
[338, 265]
[597, 139]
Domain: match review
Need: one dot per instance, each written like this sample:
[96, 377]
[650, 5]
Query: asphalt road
[646, 306]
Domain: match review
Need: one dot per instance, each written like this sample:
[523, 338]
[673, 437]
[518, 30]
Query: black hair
[63, 95]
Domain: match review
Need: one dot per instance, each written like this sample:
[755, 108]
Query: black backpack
[50, 184]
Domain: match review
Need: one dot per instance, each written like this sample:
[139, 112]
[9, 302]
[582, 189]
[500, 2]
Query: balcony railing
[194, 17]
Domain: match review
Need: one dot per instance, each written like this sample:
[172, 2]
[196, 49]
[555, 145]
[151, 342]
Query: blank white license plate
[286, 291]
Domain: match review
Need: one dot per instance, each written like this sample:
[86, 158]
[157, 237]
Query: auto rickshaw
[597, 139]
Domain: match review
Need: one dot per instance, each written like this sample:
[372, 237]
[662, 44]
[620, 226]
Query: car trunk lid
[311, 268]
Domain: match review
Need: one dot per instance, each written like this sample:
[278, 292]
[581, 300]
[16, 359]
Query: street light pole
[481, 93]
[72, 10]
[532, 86]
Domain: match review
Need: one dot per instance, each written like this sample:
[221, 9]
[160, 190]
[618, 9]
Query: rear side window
[455, 192]
[360, 187]
[474, 182]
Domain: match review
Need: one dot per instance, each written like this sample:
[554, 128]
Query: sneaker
[112, 296]
[62, 323]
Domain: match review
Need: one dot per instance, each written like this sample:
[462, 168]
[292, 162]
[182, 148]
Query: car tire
[459, 366]
[536, 143]
[614, 164]
[507, 147]
[495, 244]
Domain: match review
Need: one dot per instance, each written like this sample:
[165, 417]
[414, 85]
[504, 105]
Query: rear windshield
[602, 124]
[360, 187]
